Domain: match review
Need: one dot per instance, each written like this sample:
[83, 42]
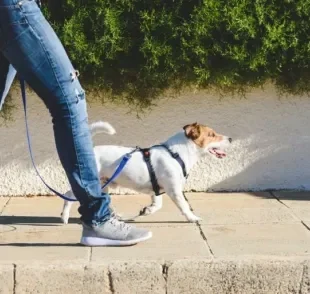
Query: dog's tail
[101, 127]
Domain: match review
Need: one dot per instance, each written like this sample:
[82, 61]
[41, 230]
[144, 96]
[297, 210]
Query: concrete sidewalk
[246, 243]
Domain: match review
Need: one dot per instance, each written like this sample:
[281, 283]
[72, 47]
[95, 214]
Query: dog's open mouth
[217, 152]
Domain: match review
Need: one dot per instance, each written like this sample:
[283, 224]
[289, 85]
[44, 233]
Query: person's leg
[29, 43]
[32, 47]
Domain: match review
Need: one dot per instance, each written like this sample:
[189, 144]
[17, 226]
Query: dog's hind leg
[65, 215]
[157, 204]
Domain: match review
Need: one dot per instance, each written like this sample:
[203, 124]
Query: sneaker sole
[93, 241]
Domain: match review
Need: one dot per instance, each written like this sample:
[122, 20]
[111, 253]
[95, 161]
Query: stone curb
[261, 275]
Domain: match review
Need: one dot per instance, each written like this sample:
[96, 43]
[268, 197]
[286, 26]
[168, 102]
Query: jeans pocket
[11, 15]
[30, 8]
[12, 23]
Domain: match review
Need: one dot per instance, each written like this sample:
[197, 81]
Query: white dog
[190, 145]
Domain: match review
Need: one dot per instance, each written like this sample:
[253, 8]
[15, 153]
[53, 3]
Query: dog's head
[207, 139]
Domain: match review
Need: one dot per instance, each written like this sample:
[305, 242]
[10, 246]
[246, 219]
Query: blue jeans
[30, 45]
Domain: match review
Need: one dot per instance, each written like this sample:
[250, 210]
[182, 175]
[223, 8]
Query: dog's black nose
[230, 140]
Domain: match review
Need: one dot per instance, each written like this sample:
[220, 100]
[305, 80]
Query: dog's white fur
[168, 171]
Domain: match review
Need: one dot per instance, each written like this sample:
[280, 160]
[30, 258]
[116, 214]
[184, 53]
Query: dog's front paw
[193, 218]
[149, 210]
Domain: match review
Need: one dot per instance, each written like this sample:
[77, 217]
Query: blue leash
[117, 172]
[119, 169]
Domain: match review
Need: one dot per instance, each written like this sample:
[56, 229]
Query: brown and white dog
[191, 144]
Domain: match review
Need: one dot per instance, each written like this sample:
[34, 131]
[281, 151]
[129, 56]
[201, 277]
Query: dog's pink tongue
[219, 153]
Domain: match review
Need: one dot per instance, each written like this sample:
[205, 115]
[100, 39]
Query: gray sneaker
[113, 233]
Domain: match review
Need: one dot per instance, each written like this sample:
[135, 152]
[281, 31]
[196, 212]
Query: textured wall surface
[270, 151]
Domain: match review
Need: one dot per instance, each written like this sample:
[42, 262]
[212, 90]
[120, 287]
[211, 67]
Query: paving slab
[47, 210]
[26, 212]
[61, 278]
[305, 282]
[246, 276]
[258, 239]
[243, 277]
[42, 244]
[168, 243]
[239, 208]
[137, 277]
[130, 205]
[42, 210]
[6, 278]
[253, 251]
[3, 202]
[298, 202]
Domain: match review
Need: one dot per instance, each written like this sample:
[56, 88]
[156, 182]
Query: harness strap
[147, 159]
[177, 157]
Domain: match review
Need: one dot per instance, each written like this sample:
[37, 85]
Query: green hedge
[136, 49]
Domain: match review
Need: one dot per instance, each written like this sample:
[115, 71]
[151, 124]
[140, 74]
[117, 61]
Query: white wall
[270, 150]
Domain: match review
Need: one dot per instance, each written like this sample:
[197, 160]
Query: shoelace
[117, 223]
[114, 214]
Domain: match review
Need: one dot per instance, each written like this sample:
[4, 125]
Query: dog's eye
[213, 135]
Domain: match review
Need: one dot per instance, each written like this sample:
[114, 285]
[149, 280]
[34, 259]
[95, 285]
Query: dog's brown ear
[194, 124]
[192, 131]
